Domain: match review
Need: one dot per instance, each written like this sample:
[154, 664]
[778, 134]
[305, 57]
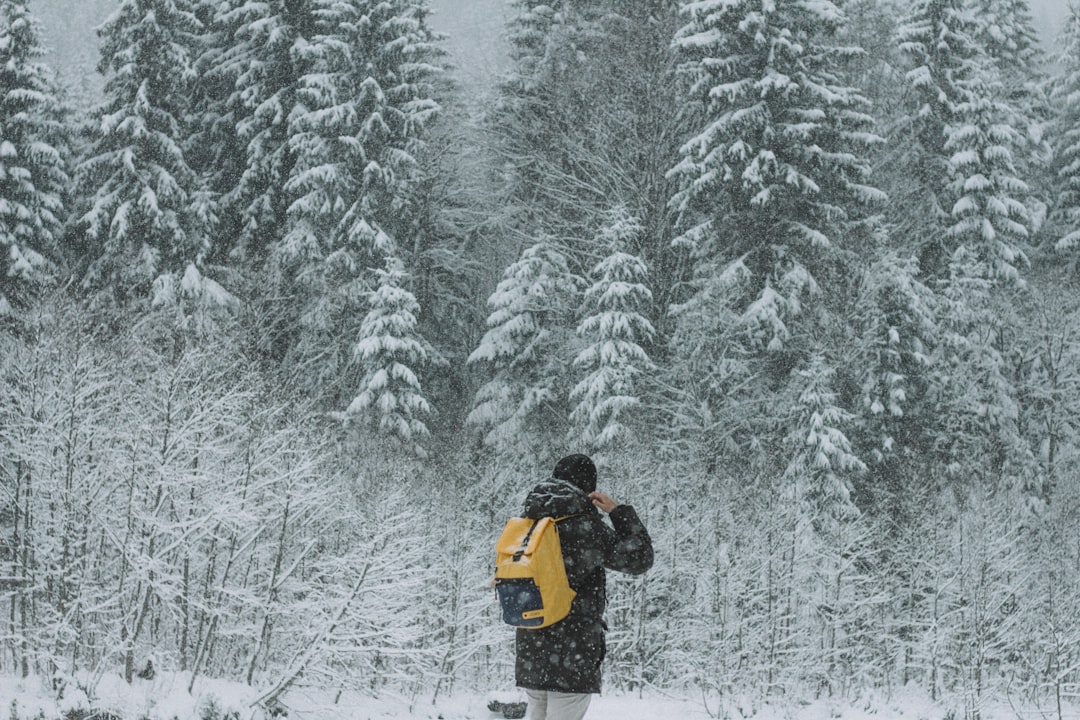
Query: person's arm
[629, 548]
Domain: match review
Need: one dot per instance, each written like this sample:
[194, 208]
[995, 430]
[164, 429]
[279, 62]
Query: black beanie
[578, 469]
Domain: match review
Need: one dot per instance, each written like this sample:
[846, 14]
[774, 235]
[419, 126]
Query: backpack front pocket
[521, 602]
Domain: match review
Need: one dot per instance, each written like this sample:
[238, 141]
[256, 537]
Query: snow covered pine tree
[33, 176]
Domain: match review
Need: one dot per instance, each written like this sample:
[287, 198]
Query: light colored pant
[544, 705]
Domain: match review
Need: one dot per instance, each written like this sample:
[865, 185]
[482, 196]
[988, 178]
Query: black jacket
[566, 656]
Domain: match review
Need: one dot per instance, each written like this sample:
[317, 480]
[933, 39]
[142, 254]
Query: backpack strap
[525, 540]
[567, 517]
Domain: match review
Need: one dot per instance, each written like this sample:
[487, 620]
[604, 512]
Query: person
[559, 666]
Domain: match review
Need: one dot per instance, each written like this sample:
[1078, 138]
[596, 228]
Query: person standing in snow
[559, 666]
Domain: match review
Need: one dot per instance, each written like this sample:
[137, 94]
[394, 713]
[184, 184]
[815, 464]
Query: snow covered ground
[166, 697]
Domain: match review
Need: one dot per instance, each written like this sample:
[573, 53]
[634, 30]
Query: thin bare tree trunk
[268, 621]
[303, 657]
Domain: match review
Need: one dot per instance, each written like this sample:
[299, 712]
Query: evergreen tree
[988, 218]
[1066, 93]
[33, 175]
[521, 406]
[718, 393]
[966, 142]
[150, 222]
[366, 103]
[896, 316]
[946, 69]
[391, 353]
[774, 177]
[259, 64]
[822, 460]
[365, 107]
[587, 119]
[214, 147]
[974, 391]
[1005, 31]
[897, 165]
[614, 326]
[937, 38]
[1047, 371]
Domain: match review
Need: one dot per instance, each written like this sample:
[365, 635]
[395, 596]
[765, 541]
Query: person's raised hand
[602, 501]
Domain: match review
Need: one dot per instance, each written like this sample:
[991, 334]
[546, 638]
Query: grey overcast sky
[1049, 16]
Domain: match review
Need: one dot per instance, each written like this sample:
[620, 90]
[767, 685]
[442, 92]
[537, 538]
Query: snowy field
[167, 698]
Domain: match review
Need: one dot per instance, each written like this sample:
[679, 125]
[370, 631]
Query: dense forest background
[290, 322]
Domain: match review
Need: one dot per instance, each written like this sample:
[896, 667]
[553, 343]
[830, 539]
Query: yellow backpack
[530, 577]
